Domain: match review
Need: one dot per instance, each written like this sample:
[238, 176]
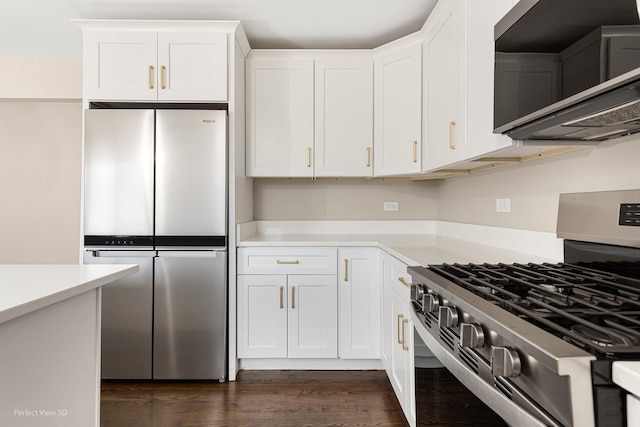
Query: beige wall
[40, 173]
[41, 78]
[534, 186]
[40, 159]
[348, 199]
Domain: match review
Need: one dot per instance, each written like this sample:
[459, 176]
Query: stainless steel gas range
[537, 342]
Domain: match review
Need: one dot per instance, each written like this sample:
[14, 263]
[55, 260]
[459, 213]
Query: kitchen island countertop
[25, 288]
[50, 333]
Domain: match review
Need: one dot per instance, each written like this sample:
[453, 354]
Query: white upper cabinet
[309, 113]
[344, 117]
[444, 65]
[480, 139]
[120, 65]
[193, 66]
[155, 66]
[398, 108]
[458, 82]
[279, 116]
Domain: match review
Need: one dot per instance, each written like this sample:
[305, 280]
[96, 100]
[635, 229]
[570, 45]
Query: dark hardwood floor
[290, 398]
[257, 398]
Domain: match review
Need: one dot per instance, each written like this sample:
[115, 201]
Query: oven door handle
[522, 400]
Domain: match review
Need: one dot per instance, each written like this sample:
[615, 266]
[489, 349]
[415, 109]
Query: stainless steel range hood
[568, 70]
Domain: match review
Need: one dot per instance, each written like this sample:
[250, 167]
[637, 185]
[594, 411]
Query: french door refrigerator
[156, 195]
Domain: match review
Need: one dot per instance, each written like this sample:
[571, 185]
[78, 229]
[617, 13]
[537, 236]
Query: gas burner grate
[598, 310]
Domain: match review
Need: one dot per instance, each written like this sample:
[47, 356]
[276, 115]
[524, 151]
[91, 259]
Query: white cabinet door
[444, 78]
[120, 65]
[262, 315]
[150, 66]
[397, 334]
[402, 355]
[386, 342]
[398, 111]
[192, 66]
[343, 117]
[279, 117]
[458, 112]
[359, 303]
[479, 138]
[313, 316]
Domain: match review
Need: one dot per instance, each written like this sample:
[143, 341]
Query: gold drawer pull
[404, 343]
[162, 71]
[399, 322]
[150, 77]
[308, 157]
[368, 157]
[452, 128]
[404, 281]
[281, 296]
[287, 261]
[293, 297]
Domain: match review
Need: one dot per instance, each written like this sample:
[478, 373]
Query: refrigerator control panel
[124, 241]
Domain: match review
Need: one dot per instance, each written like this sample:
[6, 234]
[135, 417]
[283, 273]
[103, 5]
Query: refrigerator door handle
[99, 253]
[190, 254]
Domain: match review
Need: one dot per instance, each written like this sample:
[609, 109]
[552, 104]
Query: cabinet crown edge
[141, 25]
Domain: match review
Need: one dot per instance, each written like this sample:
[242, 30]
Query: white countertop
[427, 246]
[26, 288]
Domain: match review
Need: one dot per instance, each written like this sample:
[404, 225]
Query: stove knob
[417, 292]
[505, 362]
[471, 335]
[447, 317]
[430, 303]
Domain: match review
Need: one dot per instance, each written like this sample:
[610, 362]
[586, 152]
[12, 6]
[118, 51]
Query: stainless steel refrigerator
[155, 194]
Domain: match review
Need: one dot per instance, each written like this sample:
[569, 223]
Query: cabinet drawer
[287, 260]
[400, 279]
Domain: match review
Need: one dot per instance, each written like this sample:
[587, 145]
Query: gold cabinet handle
[368, 157]
[162, 72]
[404, 342]
[150, 77]
[452, 127]
[401, 342]
[287, 261]
[281, 296]
[346, 270]
[308, 157]
[293, 297]
[404, 281]
[415, 151]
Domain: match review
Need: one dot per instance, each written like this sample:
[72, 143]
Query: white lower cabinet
[288, 316]
[289, 308]
[313, 316]
[262, 316]
[309, 302]
[359, 298]
[397, 334]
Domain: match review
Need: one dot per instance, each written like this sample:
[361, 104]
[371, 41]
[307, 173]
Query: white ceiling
[43, 27]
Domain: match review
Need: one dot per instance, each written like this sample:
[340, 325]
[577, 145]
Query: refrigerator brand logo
[208, 121]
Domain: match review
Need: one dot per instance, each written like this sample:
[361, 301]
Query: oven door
[434, 402]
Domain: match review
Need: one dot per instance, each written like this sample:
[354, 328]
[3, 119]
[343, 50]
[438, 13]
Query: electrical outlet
[391, 206]
[503, 205]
